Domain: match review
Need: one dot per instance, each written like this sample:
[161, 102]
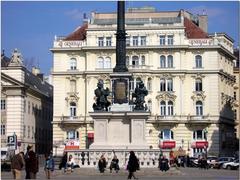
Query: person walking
[114, 164]
[133, 165]
[49, 165]
[17, 163]
[102, 164]
[31, 164]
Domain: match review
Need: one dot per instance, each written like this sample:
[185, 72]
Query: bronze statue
[139, 93]
[101, 94]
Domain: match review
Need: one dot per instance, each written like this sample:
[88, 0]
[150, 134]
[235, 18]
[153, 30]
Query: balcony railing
[199, 119]
[72, 119]
[166, 119]
[138, 67]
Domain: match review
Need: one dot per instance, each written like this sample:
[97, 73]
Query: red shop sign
[200, 144]
[168, 144]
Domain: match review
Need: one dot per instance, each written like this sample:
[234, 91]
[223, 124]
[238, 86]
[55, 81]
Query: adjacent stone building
[26, 105]
[188, 73]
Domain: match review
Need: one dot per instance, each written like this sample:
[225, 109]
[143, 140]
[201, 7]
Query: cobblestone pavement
[182, 173]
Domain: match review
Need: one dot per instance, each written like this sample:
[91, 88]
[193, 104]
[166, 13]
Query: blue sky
[31, 26]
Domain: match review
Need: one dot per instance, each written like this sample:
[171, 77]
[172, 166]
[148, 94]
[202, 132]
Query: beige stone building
[26, 106]
[188, 73]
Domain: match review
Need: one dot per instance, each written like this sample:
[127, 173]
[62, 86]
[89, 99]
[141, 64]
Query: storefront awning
[167, 144]
[200, 144]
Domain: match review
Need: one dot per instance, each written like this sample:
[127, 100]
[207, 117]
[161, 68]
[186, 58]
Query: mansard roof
[78, 34]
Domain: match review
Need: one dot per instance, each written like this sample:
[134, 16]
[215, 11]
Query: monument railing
[89, 158]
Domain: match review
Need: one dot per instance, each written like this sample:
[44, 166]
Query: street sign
[11, 139]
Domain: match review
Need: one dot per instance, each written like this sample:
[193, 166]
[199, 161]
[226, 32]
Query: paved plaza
[182, 173]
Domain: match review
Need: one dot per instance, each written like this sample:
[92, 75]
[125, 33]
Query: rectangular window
[3, 104]
[3, 130]
[100, 41]
[108, 41]
[131, 85]
[143, 40]
[128, 41]
[170, 39]
[162, 40]
[135, 40]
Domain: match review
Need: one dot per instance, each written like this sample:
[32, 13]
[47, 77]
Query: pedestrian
[63, 161]
[31, 163]
[114, 164]
[133, 165]
[102, 164]
[49, 165]
[17, 163]
[70, 163]
[160, 165]
[165, 164]
[25, 158]
[188, 160]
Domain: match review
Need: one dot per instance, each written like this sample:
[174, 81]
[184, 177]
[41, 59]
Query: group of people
[67, 162]
[29, 160]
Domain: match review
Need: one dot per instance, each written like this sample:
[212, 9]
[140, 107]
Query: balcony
[137, 67]
[71, 120]
[199, 119]
[166, 119]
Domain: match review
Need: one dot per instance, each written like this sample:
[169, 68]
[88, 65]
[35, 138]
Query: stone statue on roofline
[101, 94]
[139, 93]
[16, 59]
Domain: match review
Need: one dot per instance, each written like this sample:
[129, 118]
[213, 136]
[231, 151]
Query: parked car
[220, 161]
[231, 165]
[193, 162]
[211, 160]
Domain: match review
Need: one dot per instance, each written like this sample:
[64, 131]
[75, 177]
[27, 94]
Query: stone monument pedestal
[119, 130]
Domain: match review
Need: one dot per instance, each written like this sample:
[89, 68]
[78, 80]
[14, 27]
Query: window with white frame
[3, 129]
[169, 85]
[170, 61]
[149, 104]
[143, 60]
[198, 85]
[73, 109]
[108, 41]
[162, 40]
[100, 41]
[162, 61]
[73, 85]
[166, 108]
[135, 61]
[100, 62]
[199, 108]
[199, 135]
[166, 84]
[73, 64]
[198, 61]
[104, 62]
[170, 108]
[135, 40]
[162, 85]
[72, 134]
[170, 39]
[127, 40]
[143, 40]
[166, 134]
[162, 108]
[107, 62]
[149, 84]
[3, 104]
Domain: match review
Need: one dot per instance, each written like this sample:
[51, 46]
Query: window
[234, 95]
[73, 85]
[100, 62]
[135, 61]
[199, 108]
[199, 135]
[128, 41]
[162, 85]
[166, 85]
[100, 41]
[143, 60]
[198, 61]
[73, 64]
[3, 129]
[72, 134]
[143, 40]
[162, 40]
[162, 108]
[127, 60]
[170, 39]
[198, 85]
[3, 104]
[169, 85]
[149, 104]
[104, 63]
[132, 85]
[170, 61]
[108, 41]
[135, 40]
[149, 84]
[73, 109]
[107, 62]
[162, 61]
[166, 134]
[170, 108]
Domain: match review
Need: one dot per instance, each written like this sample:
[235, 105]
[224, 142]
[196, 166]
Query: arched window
[72, 86]
[107, 62]
[72, 134]
[143, 60]
[198, 85]
[169, 85]
[100, 62]
[199, 135]
[162, 85]
[162, 61]
[162, 108]
[135, 61]
[73, 64]
[166, 134]
[149, 105]
[73, 109]
[127, 60]
[198, 61]
[149, 84]
[170, 108]
[170, 61]
[199, 108]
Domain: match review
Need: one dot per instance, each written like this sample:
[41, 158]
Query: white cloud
[210, 12]
[74, 14]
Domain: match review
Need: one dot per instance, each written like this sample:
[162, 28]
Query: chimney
[203, 22]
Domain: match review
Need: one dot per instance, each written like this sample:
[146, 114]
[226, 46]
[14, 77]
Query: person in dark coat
[102, 164]
[63, 161]
[133, 165]
[31, 164]
[160, 164]
[17, 162]
[165, 165]
[114, 164]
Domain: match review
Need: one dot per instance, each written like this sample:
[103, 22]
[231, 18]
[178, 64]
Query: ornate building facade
[188, 74]
[26, 106]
